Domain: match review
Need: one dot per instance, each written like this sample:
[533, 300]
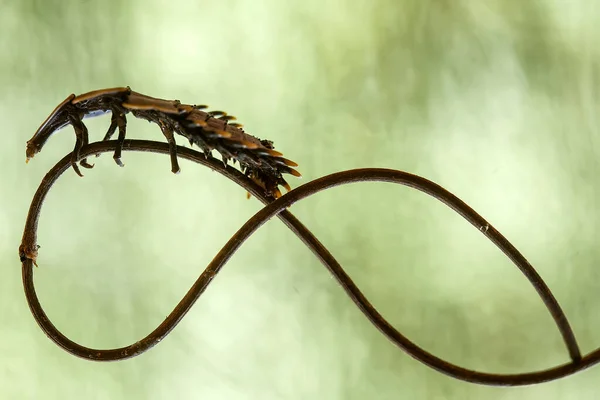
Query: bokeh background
[496, 101]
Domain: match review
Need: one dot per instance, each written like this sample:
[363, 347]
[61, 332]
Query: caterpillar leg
[111, 129]
[82, 138]
[121, 122]
[168, 132]
[85, 142]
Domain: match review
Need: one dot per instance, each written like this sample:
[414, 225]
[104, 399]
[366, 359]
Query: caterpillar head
[55, 121]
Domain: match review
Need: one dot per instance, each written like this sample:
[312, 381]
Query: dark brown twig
[278, 208]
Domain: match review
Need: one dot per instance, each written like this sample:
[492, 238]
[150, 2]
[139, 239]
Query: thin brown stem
[279, 208]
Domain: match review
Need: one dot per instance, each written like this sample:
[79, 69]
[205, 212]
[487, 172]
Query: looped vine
[279, 208]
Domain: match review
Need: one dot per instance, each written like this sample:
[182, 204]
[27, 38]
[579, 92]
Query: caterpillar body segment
[209, 130]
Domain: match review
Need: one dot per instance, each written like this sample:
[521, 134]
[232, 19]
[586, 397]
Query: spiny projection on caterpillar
[209, 130]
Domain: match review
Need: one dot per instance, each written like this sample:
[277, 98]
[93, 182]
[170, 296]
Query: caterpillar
[209, 130]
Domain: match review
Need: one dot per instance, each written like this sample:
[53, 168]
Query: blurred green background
[496, 101]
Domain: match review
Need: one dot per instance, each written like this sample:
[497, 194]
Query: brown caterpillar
[208, 130]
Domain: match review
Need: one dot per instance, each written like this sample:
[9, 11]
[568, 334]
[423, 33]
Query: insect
[209, 130]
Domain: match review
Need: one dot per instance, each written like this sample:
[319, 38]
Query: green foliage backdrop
[497, 101]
